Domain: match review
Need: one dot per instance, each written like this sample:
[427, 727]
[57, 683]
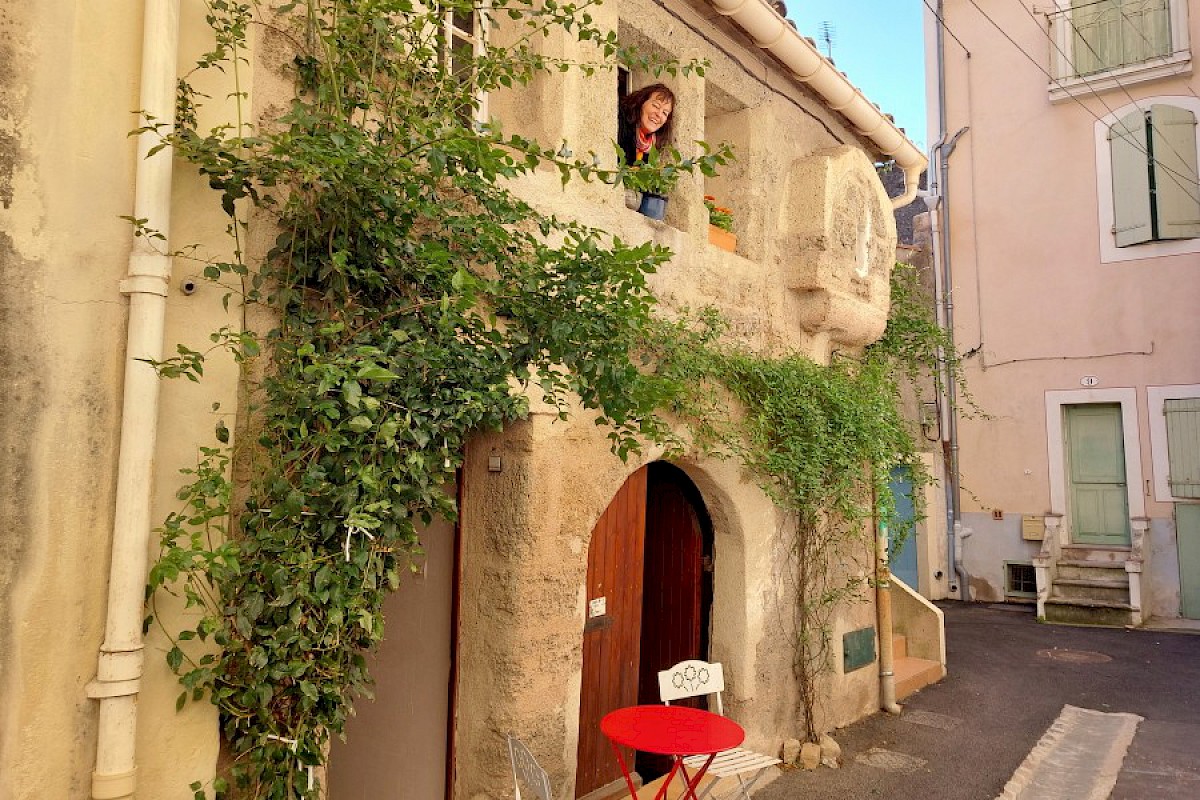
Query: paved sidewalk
[1009, 681]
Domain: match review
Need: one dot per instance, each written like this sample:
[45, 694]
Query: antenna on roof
[828, 36]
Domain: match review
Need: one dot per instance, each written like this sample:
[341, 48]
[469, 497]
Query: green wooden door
[1187, 531]
[1096, 475]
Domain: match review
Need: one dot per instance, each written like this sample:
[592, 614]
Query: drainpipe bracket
[114, 785]
[116, 666]
[101, 689]
[145, 283]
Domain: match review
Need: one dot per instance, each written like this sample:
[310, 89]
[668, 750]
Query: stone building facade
[501, 606]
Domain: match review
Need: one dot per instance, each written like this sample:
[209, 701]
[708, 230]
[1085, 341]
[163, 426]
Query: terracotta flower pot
[726, 240]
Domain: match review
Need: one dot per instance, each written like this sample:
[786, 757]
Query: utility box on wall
[858, 649]
[1033, 528]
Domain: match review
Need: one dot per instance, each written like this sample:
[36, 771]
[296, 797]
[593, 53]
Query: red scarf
[644, 142]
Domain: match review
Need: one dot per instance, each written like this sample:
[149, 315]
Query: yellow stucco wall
[68, 89]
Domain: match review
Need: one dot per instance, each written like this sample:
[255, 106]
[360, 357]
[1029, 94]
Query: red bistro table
[675, 731]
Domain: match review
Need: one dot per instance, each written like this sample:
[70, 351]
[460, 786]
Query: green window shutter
[1130, 180]
[1176, 183]
[1107, 34]
[1183, 446]
[1096, 39]
[1148, 29]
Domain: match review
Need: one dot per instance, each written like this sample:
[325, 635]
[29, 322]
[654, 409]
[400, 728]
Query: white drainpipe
[118, 677]
[772, 32]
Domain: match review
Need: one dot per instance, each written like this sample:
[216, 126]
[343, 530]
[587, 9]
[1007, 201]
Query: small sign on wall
[1089, 381]
[597, 607]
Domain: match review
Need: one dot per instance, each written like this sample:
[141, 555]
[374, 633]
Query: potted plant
[720, 225]
[653, 179]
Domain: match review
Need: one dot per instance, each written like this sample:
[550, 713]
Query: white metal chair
[527, 771]
[696, 678]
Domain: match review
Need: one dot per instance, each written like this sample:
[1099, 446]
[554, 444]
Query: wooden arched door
[677, 593]
[648, 594]
[612, 631]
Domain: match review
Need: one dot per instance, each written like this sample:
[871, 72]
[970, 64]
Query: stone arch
[526, 532]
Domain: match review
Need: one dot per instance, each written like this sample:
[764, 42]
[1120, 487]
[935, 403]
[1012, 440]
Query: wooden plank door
[612, 633]
[903, 559]
[672, 616]
[1098, 494]
[1187, 531]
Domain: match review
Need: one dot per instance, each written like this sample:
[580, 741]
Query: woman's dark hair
[631, 109]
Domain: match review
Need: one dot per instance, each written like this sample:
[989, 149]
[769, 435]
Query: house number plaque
[597, 607]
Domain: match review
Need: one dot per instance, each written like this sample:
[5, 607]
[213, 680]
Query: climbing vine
[822, 440]
[413, 298]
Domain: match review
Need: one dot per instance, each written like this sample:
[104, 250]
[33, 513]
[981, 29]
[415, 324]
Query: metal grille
[1020, 580]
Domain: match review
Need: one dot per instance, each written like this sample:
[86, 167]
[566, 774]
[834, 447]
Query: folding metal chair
[527, 771]
[696, 678]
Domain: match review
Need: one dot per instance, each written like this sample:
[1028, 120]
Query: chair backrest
[691, 679]
[527, 771]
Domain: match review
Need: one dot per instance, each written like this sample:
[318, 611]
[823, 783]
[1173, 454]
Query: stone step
[915, 673]
[1111, 555]
[1091, 570]
[1103, 613]
[1091, 589]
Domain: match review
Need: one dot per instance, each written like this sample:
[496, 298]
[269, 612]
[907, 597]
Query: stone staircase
[912, 673]
[1090, 586]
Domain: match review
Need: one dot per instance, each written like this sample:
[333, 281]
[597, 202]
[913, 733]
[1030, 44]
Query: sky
[879, 45]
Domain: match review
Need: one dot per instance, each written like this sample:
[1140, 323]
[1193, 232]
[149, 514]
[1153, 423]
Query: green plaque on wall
[858, 649]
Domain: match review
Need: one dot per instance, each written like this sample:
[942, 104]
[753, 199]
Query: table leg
[676, 765]
[692, 783]
[624, 770]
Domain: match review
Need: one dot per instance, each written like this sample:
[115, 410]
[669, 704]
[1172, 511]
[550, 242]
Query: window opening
[1109, 34]
[1020, 580]
[1156, 188]
[624, 82]
[464, 40]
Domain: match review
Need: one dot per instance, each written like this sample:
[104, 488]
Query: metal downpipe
[119, 671]
[941, 162]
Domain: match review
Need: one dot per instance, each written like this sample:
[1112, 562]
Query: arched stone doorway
[649, 595]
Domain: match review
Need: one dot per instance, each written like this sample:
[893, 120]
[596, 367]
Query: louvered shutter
[1183, 446]
[1176, 183]
[1148, 30]
[1130, 180]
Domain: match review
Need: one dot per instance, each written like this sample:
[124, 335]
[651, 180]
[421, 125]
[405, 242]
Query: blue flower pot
[653, 205]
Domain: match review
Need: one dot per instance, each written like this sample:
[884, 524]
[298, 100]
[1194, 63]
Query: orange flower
[710, 198]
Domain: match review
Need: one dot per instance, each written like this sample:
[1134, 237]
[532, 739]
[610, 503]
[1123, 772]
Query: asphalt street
[1009, 679]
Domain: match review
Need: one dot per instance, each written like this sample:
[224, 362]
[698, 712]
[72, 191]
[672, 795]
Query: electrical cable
[1059, 84]
[946, 27]
[1123, 133]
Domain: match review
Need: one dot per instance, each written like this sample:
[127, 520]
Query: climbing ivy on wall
[821, 439]
[413, 298]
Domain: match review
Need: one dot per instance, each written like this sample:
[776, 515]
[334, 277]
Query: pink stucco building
[1066, 217]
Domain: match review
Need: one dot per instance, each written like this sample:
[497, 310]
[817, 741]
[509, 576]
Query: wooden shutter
[1148, 33]
[1183, 446]
[1145, 30]
[1176, 184]
[1130, 180]
[1096, 40]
